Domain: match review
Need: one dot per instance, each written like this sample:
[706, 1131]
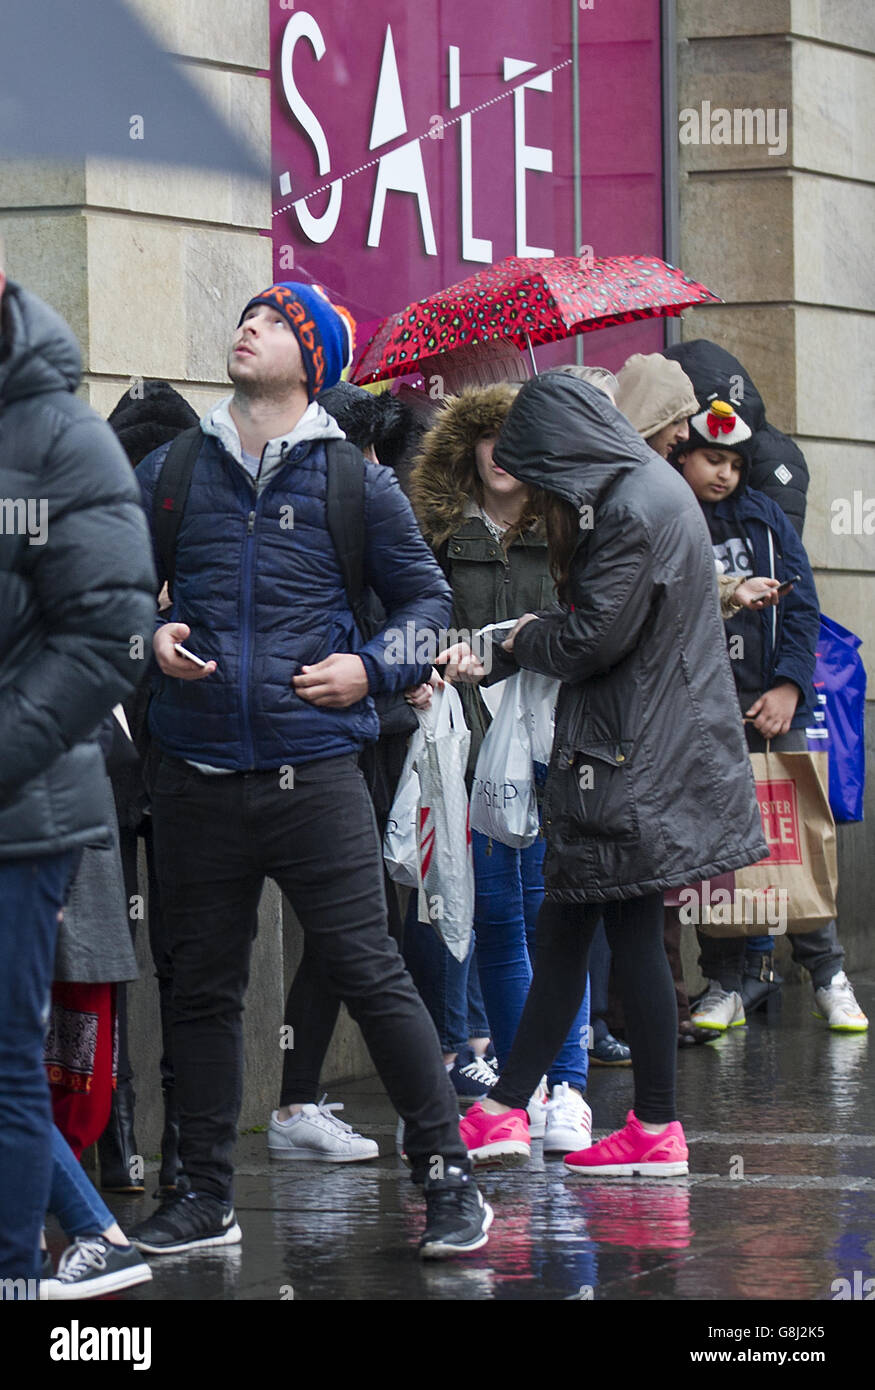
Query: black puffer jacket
[76, 584]
[650, 784]
[777, 464]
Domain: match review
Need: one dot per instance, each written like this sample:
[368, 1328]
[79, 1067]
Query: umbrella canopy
[531, 301]
[89, 79]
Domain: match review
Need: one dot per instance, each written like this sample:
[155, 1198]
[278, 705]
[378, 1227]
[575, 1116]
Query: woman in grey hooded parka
[649, 786]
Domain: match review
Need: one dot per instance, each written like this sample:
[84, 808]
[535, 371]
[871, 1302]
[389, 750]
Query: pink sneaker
[496, 1138]
[632, 1152]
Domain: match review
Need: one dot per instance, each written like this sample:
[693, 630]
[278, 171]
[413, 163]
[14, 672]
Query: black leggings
[563, 936]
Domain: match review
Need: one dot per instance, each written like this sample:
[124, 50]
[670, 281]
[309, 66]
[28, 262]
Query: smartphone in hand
[189, 656]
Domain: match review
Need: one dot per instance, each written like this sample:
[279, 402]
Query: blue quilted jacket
[258, 582]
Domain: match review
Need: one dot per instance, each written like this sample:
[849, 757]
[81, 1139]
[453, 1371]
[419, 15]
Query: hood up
[39, 352]
[653, 391]
[443, 471]
[565, 436]
[714, 372]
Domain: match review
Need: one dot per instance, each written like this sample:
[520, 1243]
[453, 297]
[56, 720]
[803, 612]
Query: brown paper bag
[795, 888]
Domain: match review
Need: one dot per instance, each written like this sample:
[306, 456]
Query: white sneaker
[569, 1121]
[537, 1110]
[837, 1003]
[314, 1133]
[718, 1009]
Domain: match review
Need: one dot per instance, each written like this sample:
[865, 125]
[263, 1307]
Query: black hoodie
[777, 464]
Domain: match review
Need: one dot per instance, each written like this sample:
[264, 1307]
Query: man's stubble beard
[279, 390]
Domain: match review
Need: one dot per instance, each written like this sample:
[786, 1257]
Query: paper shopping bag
[794, 889]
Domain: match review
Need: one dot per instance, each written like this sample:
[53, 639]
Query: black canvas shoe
[187, 1221]
[457, 1218]
[92, 1266]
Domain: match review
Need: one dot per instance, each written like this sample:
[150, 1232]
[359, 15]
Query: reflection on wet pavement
[779, 1203]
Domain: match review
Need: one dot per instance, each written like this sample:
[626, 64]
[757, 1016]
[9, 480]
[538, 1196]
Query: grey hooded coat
[650, 785]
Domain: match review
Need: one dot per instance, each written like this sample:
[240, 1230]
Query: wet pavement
[779, 1204]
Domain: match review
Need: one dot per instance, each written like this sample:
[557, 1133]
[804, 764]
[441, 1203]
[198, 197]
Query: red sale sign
[412, 145]
[780, 816]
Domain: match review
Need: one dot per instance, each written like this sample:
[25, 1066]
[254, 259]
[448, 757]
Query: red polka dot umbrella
[528, 302]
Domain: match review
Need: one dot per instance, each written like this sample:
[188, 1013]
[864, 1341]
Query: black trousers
[216, 840]
[563, 936]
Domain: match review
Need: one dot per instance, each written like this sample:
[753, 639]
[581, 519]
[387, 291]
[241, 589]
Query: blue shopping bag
[839, 713]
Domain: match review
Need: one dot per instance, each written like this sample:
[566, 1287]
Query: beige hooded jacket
[652, 391]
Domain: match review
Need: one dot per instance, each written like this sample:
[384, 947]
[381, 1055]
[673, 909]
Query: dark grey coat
[94, 939]
[69, 604]
[650, 785]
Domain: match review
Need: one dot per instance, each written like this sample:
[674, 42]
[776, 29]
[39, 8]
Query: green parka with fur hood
[490, 582]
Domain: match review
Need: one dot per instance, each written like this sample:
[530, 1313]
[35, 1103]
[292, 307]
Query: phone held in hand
[189, 656]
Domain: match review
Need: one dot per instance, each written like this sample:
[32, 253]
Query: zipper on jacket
[246, 640]
[246, 626]
[247, 643]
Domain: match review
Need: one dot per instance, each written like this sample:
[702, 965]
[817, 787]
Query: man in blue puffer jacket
[258, 773]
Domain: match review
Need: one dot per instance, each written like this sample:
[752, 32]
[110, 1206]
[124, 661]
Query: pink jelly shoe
[496, 1138]
[632, 1152]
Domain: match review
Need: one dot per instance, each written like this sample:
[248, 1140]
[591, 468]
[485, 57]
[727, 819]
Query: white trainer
[719, 1009]
[837, 1003]
[537, 1110]
[315, 1133]
[569, 1121]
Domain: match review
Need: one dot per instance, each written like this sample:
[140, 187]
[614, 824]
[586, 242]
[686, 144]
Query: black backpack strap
[345, 515]
[170, 496]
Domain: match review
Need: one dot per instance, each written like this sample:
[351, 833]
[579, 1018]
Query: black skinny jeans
[563, 936]
[216, 840]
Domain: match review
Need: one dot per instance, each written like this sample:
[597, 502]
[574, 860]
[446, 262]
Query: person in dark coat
[148, 415]
[776, 464]
[76, 585]
[258, 773]
[773, 666]
[649, 786]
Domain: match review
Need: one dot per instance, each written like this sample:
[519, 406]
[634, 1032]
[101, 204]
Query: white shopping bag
[443, 872]
[401, 840]
[503, 801]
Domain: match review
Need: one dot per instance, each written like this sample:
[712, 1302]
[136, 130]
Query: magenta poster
[413, 144]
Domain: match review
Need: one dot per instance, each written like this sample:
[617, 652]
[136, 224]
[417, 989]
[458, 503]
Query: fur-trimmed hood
[444, 474]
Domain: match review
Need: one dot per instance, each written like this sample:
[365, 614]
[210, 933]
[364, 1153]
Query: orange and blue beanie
[325, 331]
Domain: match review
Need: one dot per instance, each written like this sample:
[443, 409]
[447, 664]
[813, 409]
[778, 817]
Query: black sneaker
[472, 1077]
[92, 1265]
[457, 1218]
[187, 1221]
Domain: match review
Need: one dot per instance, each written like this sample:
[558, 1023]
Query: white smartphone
[189, 656]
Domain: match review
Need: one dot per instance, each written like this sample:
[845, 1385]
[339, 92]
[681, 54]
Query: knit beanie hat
[652, 391]
[149, 415]
[718, 427]
[325, 331]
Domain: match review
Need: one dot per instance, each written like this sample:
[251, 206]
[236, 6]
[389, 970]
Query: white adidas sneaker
[537, 1110]
[315, 1133]
[569, 1121]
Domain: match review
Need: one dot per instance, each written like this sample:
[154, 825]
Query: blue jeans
[510, 890]
[450, 988]
[31, 895]
[73, 1199]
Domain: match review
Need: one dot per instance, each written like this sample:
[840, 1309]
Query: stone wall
[786, 239]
